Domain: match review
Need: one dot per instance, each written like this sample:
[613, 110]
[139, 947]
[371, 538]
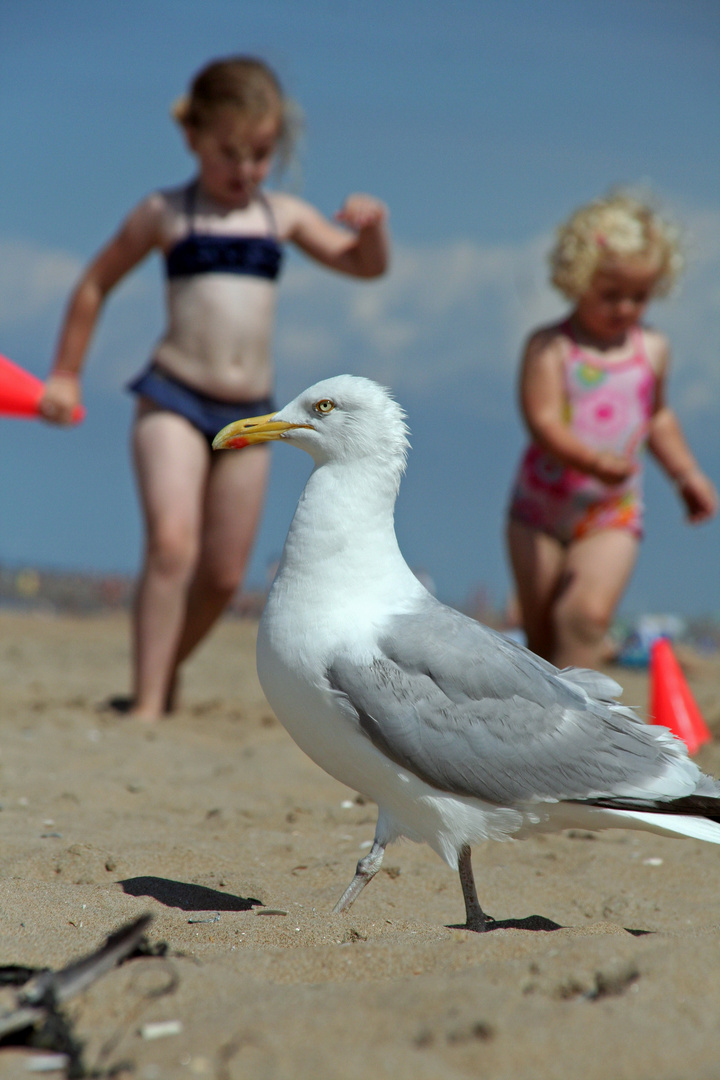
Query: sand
[238, 845]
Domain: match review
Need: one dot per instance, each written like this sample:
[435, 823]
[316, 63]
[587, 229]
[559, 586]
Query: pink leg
[233, 504]
[172, 463]
[597, 571]
[538, 562]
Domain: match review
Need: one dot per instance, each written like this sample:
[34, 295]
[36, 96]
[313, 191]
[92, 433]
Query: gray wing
[475, 714]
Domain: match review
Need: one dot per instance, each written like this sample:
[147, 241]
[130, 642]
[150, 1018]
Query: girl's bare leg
[172, 461]
[597, 571]
[233, 503]
[538, 562]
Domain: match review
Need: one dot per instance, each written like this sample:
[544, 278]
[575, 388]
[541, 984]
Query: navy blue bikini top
[204, 253]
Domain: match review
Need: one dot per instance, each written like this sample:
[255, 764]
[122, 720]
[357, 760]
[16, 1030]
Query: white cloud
[441, 313]
[35, 285]
[691, 319]
[32, 279]
[461, 309]
[444, 316]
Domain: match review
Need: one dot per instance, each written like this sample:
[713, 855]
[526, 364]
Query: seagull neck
[346, 509]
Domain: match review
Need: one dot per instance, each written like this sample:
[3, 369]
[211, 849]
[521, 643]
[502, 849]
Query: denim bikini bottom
[208, 414]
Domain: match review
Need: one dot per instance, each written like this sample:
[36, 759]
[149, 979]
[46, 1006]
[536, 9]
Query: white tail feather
[699, 828]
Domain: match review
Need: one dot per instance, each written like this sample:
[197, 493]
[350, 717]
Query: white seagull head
[343, 419]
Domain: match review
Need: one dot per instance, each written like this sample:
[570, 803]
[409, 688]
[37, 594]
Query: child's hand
[61, 396]
[699, 495]
[613, 468]
[362, 212]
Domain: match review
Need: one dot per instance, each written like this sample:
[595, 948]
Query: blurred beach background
[481, 125]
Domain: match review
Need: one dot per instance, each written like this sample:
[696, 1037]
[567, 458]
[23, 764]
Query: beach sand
[238, 845]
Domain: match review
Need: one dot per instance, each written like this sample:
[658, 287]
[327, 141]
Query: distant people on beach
[593, 395]
[221, 236]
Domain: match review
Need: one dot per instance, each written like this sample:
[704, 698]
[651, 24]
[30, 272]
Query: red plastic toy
[20, 392]
[672, 703]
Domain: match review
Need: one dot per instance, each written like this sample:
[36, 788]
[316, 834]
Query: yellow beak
[256, 429]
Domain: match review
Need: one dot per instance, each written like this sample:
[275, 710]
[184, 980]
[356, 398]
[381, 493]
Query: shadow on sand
[187, 897]
[534, 922]
[530, 922]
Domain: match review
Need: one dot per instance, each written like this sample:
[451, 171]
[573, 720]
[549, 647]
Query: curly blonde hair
[618, 226]
[248, 85]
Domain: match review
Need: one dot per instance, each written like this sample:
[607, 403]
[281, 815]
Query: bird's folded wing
[472, 714]
[470, 660]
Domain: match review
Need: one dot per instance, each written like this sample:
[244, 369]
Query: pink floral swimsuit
[609, 406]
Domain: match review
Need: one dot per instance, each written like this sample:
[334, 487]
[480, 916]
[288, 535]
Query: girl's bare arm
[542, 400]
[667, 443]
[136, 238]
[361, 249]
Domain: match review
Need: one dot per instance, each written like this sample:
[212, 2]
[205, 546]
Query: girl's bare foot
[147, 716]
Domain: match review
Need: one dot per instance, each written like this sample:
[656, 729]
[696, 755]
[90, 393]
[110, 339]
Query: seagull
[457, 733]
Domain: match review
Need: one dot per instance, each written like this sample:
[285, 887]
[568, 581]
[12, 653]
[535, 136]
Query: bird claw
[481, 924]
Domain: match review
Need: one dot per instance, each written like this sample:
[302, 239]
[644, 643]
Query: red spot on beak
[237, 443]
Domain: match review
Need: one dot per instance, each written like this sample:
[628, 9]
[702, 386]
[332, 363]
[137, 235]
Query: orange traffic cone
[672, 704]
[20, 392]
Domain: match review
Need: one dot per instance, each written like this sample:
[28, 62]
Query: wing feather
[472, 713]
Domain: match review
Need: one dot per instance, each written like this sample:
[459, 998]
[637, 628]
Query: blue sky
[482, 125]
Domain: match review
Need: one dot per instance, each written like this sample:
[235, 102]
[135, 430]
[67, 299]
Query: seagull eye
[325, 406]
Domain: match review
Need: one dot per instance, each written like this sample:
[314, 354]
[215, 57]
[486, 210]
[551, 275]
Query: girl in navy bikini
[222, 240]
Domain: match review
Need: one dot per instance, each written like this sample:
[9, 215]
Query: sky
[482, 125]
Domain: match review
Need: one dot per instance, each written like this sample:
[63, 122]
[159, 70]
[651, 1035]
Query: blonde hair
[248, 85]
[619, 226]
